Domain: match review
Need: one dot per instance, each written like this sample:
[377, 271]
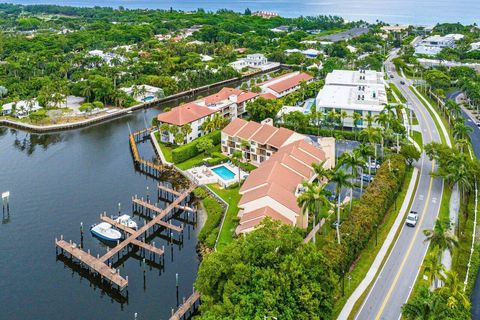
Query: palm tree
[365, 152]
[341, 179]
[369, 118]
[440, 237]
[433, 268]
[311, 200]
[357, 117]
[425, 306]
[236, 157]
[186, 130]
[343, 115]
[454, 288]
[173, 129]
[320, 171]
[461, 130]
[160, 94]
[372, 136]
[352, 161]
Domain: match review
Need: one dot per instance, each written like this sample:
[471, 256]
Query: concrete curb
[377, 263]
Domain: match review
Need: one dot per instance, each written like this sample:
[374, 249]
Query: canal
[57, 181]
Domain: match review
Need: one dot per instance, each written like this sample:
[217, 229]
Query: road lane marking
[407, 255]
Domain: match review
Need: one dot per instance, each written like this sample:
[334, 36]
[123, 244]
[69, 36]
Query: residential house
[432, 45]
[142, 92]
[285, 84]
[20, 109]
[255, 61]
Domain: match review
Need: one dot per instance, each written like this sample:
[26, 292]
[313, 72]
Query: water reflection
[28, 142]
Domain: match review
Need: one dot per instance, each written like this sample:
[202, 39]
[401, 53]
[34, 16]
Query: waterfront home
[254, 61]
[361, 92]
[229, 102]
[20, 108]
[187, 114]
[256, 141]
[143, 93]
[309, 53]
[272, 189]
[285, 84]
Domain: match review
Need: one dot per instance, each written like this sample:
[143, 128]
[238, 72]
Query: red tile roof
[226, 92]
[245, 96]
[268, 96]
[249, 130]
[277, 179]
[233, 127]
[289, 81]
[280, 137]
[184, 114]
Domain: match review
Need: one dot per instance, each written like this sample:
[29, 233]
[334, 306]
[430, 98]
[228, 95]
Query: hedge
[209, 232]
[348, 135]
[370, 210]
[189, 150]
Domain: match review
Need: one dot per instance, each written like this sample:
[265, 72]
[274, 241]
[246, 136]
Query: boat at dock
[105, 231]
[127, 221]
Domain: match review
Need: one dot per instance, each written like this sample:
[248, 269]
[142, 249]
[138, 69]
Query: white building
[475, 46]
[143, 92]
[308, 53]
[229, 102]
[432, 45]
[20, 108]
[107, 57]
[256, 61]
[361, 92]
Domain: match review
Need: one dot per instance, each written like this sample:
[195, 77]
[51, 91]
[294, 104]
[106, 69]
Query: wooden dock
[169, 190]
[186, 306]
[93, 263]
[144, 165]
[101, 264]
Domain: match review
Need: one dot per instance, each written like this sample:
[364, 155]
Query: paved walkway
[377, 263]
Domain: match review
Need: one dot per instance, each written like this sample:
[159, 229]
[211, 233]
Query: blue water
[424, 12]
[224, 173]
[149, 98]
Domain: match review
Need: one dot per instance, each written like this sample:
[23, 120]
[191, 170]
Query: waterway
[57, 181]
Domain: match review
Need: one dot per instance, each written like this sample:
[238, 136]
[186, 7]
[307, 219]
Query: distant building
[282, 29]
[143, 92]
[309, 53]
[475, 45]
[432, 45]
[285, 84]
[265, 14]
[345, 35]
[107, 57]
[255, 61]
[361, 92]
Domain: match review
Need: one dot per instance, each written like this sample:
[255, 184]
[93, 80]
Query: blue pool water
[224, 173]
[149, 98]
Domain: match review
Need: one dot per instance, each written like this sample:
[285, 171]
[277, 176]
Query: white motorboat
[127, 221]
[105, 231]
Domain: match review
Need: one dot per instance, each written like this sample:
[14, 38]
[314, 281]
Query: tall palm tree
[433, 268]
[372, 136]
[352, 161]
[357, 117]
[369, 118]
[343, 115]
[312, 199]
[341, 179]
[364, 152]
[320, 171]
[186, 130]
[440, 237]
[461, 130]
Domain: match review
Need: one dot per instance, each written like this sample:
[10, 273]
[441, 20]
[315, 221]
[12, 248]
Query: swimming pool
[148, 98]
[224, 173]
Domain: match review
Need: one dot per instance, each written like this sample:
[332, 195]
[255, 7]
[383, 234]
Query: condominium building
[285, 84]
[229, 102]
[256, 141]
[361, 92]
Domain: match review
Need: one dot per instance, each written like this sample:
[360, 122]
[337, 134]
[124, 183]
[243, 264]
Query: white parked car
[412, 219]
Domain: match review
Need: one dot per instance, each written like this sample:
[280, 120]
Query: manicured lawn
[167, 151]
[417, 136]
[371, 250]
[232, 197]
[197, 160]
[397, 92]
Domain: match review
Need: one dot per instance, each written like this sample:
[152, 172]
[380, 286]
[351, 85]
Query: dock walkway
[186, 306]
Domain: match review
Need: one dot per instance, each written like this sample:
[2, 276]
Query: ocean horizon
[418, 12]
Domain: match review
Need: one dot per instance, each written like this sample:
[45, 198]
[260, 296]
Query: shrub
[200, 193]
[214, 216]
[86, 107]
[98, 104]
[248, 167]
[189, 150]
[348, 135]
[370, 210]
[214, 161]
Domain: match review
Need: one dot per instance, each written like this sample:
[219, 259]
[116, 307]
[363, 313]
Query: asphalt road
[394, 283]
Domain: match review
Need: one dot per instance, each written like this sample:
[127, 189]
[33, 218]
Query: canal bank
[57, 181]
